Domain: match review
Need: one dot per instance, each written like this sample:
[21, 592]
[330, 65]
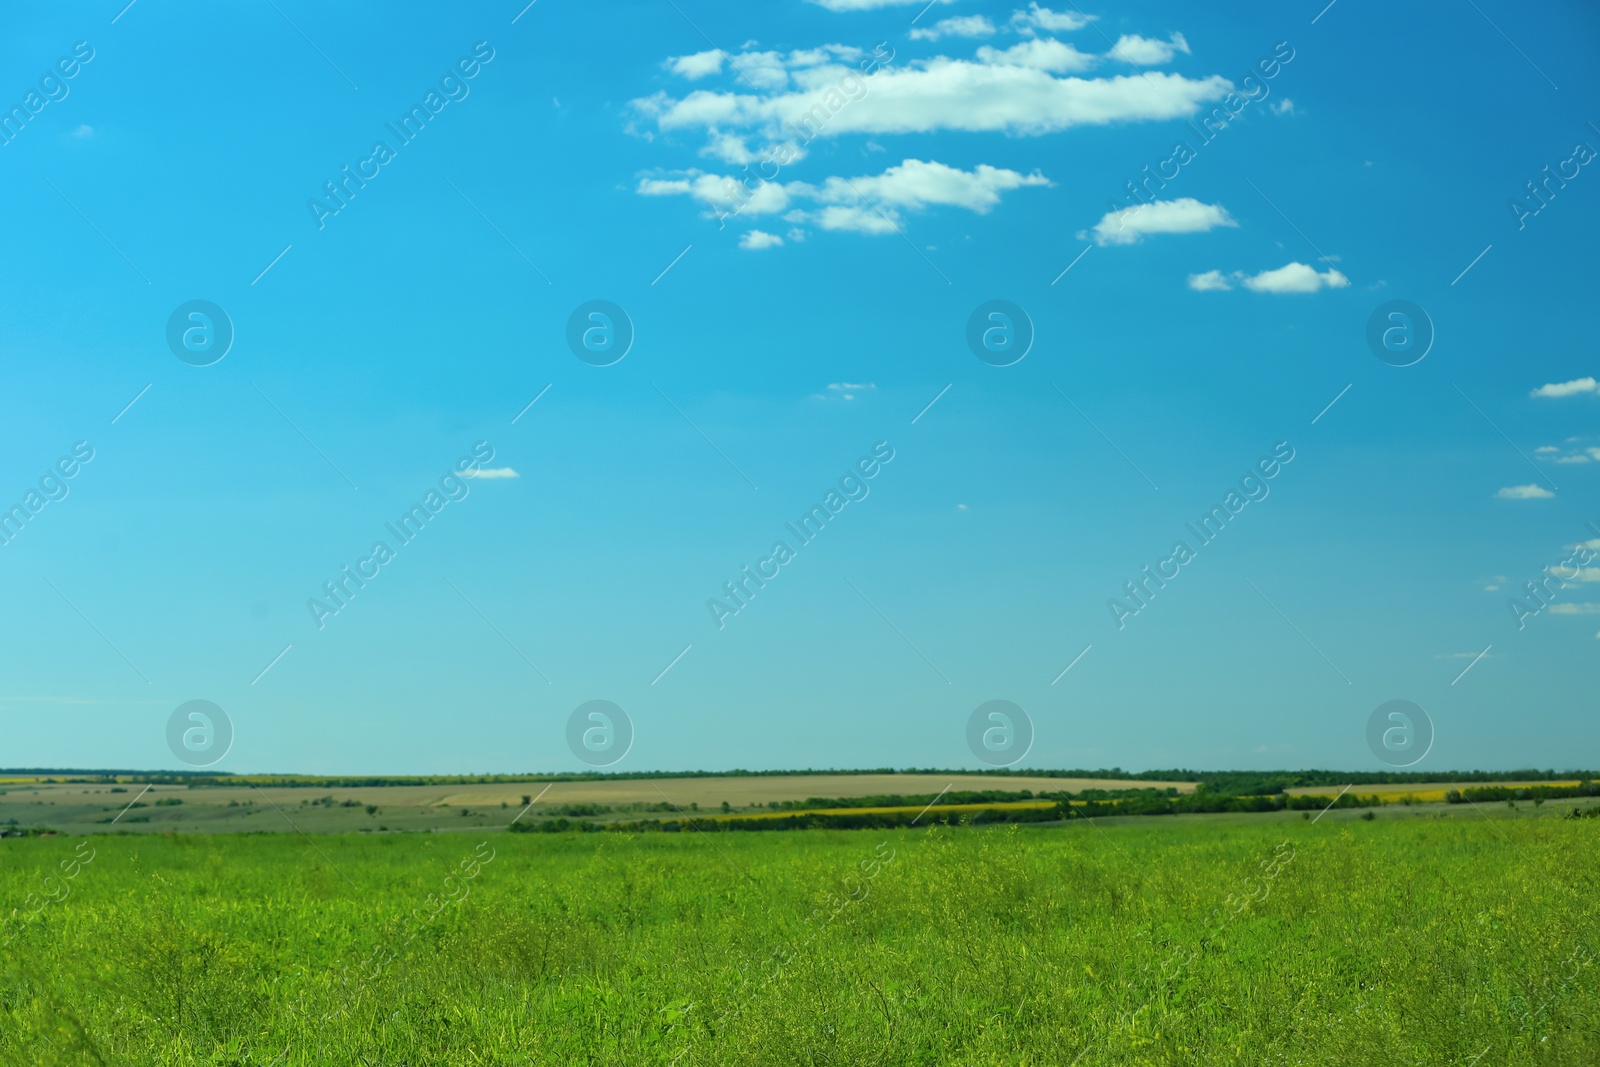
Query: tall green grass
[1341, 943]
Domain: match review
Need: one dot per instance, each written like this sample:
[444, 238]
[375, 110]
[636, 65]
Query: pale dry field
[89, 808]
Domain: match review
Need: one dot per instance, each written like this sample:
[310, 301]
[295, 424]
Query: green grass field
[1190, 940]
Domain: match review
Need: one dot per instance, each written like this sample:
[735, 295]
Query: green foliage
[1150, 942]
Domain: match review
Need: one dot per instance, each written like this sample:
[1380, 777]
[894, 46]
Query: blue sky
[971, 152]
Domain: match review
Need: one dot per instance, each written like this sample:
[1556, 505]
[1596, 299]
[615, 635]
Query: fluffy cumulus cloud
[962, 26]
[1290, 278]
[698, 65]
[1145, 52]
[871, 204]
[1040, 53]
[756, 240]
[1212, 281]
[1525, 492]
[1015, 90]
[1576, 387]
[1042, 18]
[1186, 215]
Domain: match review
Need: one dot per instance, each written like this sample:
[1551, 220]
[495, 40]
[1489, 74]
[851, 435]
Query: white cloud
[962, 26]
[1042, 18]
[1039, 53]
[1583, 574]
[491, 472]
[1575, 609]
[1573, 388]
[1146, 52]
[756, 240]
[1185, 215]
[917, 183]
[1286, 107]
[848, 390]
[1576, 457]
[811, 57]
[867, 204]
[938, 94]
[867, 5]
[698, 65]
[1524, 492]
[1294, 278]
[1591, 543]
[1212, 281]
[83, 131]
[1546, 449]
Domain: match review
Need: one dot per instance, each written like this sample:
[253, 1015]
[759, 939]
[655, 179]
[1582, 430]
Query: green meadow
[1462, 938]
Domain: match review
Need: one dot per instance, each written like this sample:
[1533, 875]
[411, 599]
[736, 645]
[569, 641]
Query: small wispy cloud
[756, 240]
[847, 390]
[1524, 492]
[1290, 278]
[1575, 609]
[491, 473]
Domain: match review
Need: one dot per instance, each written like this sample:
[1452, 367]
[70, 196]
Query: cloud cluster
[1290, 278]
[872, 204]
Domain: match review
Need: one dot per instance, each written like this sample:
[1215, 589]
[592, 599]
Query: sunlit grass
[1397, 941]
